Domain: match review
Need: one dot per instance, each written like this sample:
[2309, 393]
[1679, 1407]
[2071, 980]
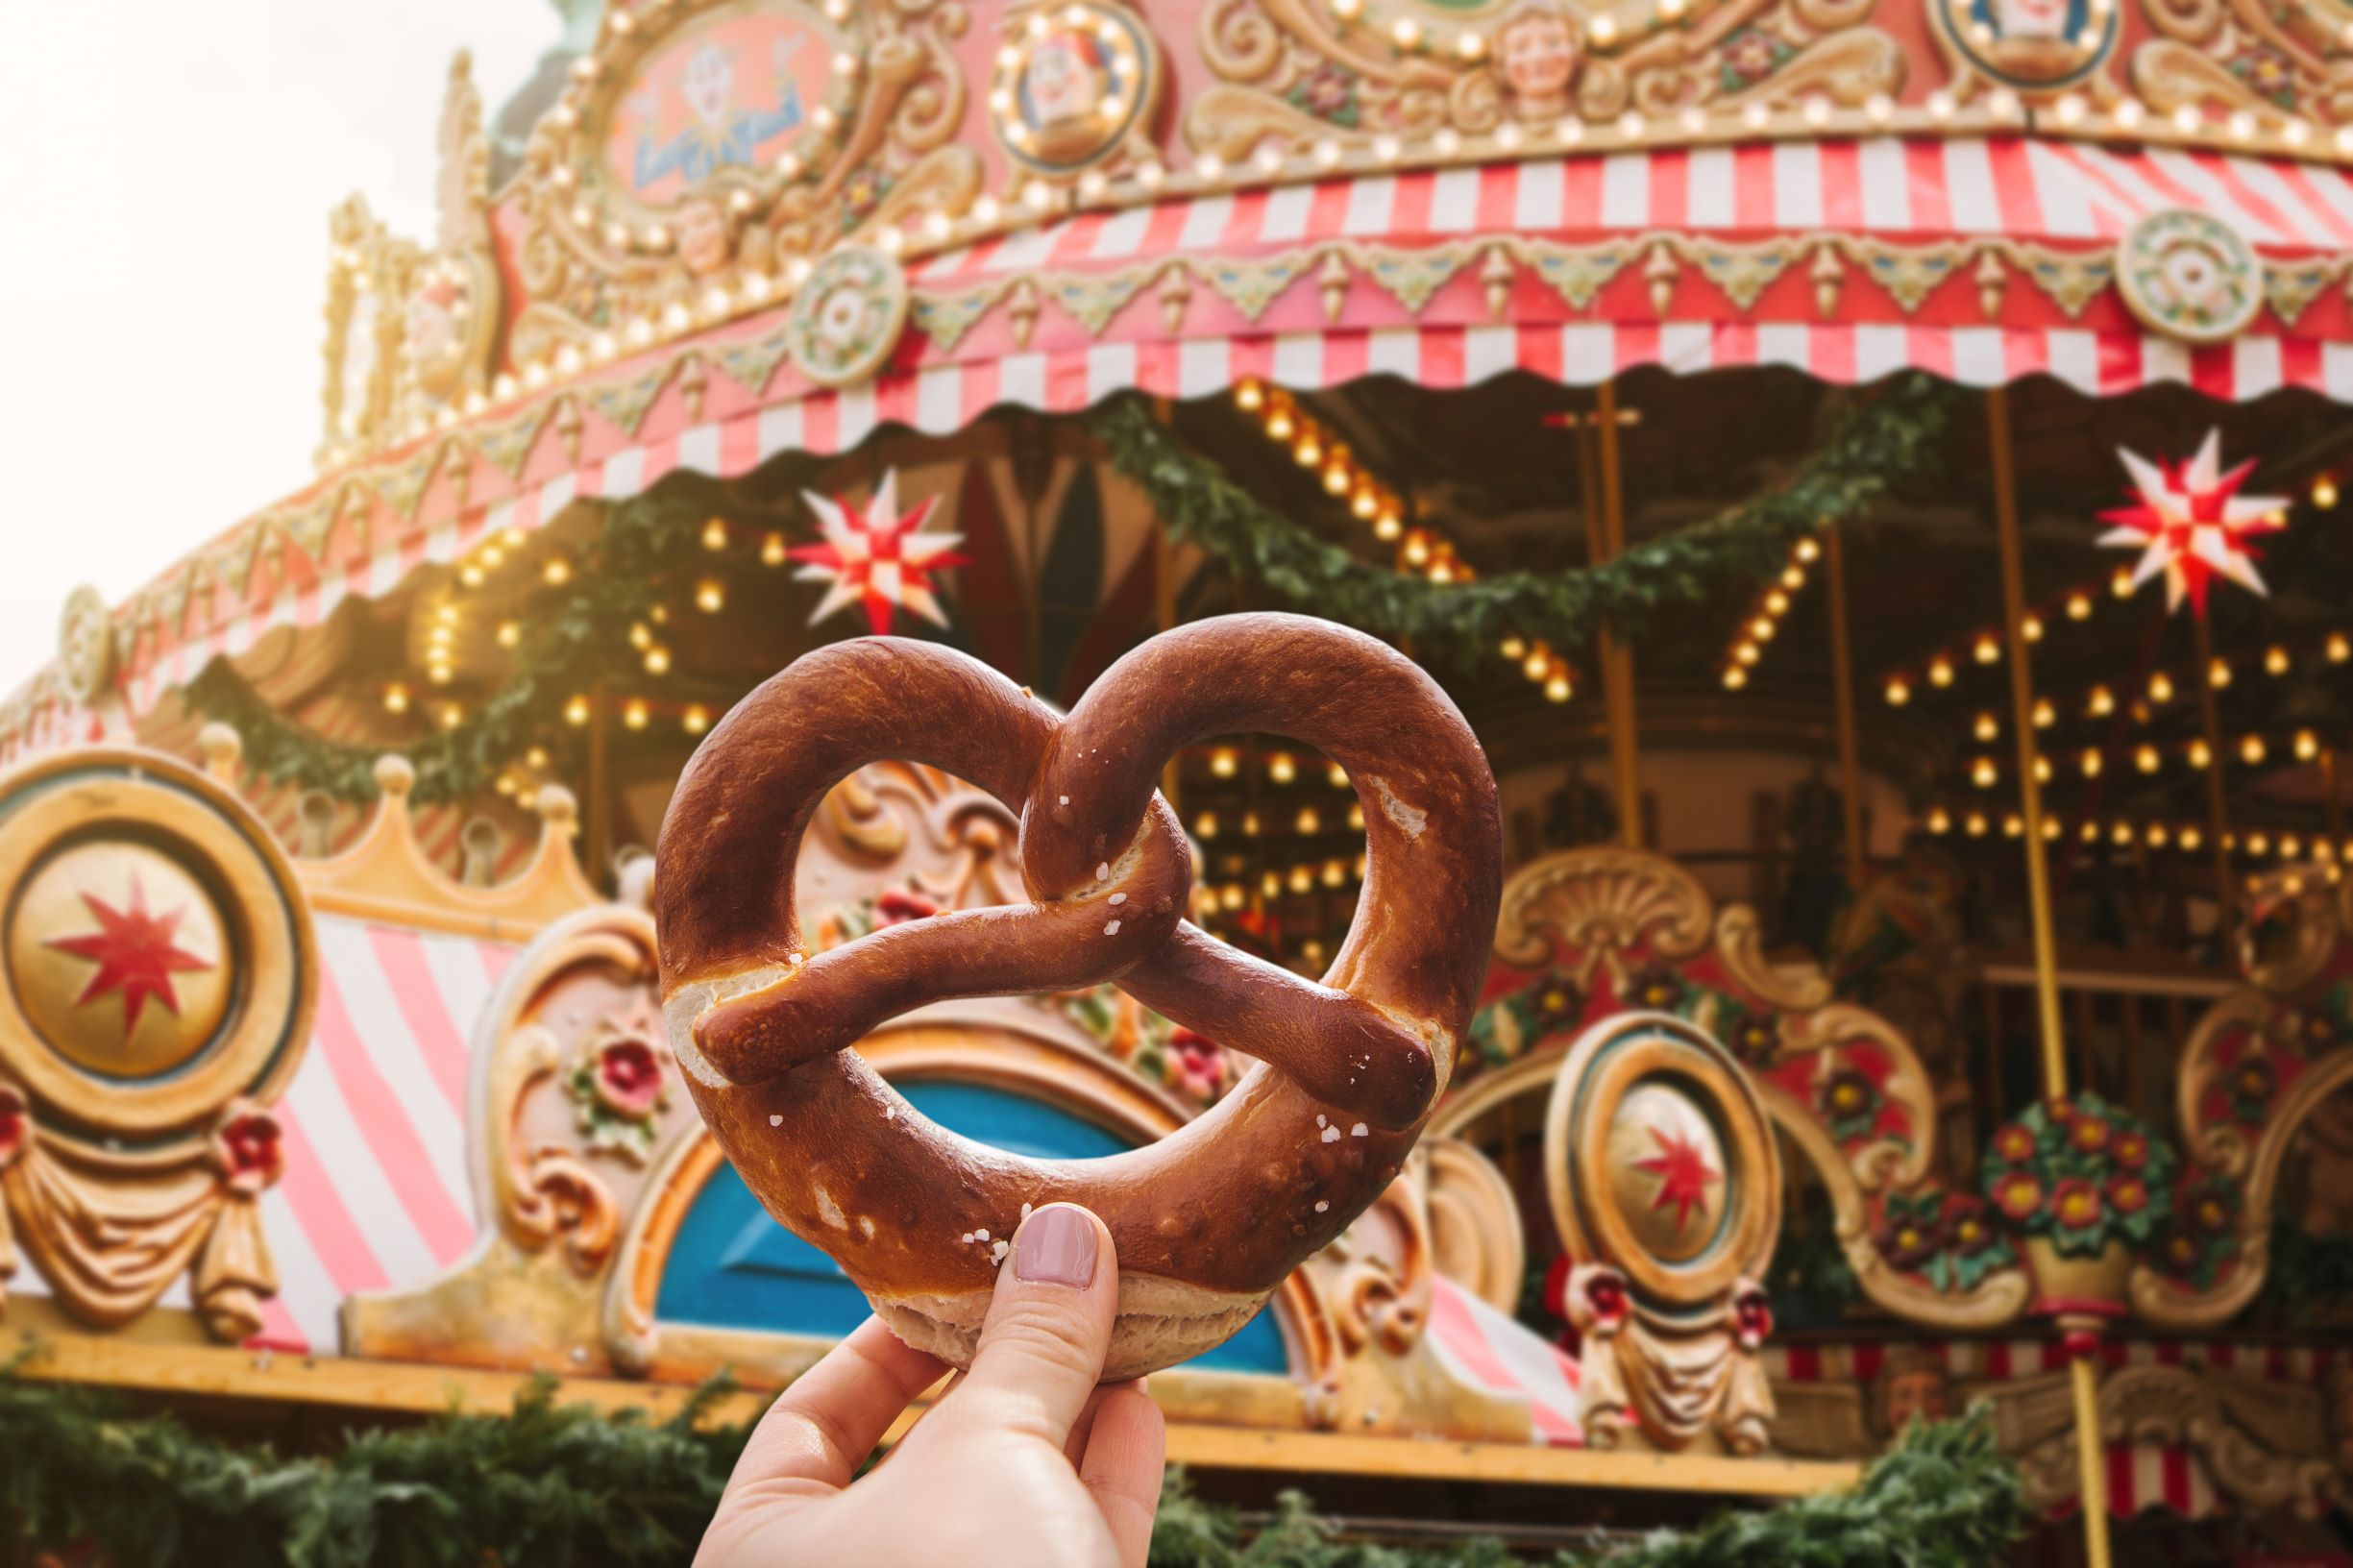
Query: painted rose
[2014, 1144]
[1748, 55]
[1757, 1038]
[248, 1149]
[2131, 1149]
[2180, 1250]
[1199, 1064]
[1752, 1318]
[1849, 1094]
[2088, 1135]
[1969, 1231]
[1604, 1295]
[2074, 1205]
[629, 1076]
[1656, 987]
[2127, 1193]
[2017, 1195]
[1329, 93]
[2210, 1205]
[2253, 1080]
[1556, 1004]
[1908, 1240]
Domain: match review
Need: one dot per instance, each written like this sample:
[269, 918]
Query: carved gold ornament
[848, 316]
[2190, 275]
[160, 984]
[1074, 84]
[86, 646]
[2031, 47]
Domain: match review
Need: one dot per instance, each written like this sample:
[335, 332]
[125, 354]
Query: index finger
[831, 1417]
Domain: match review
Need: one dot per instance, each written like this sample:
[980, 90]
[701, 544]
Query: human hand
[1025, 1460]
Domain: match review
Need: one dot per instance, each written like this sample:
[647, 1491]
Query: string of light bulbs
[1763, 617]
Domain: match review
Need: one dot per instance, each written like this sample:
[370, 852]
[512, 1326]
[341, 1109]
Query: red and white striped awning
[2140, 1475]
[1061, 317]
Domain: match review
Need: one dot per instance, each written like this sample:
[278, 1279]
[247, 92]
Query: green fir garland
[553, 1486]
[1878, 439]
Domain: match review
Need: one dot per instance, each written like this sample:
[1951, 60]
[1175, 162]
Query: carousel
[1865, 468]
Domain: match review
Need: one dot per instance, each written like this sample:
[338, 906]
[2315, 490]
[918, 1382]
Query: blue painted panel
[732, 1267]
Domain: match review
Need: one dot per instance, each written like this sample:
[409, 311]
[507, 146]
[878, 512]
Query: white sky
[165, 258]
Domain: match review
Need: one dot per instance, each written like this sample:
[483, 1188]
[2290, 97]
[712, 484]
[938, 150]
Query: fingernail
[1056, 1246]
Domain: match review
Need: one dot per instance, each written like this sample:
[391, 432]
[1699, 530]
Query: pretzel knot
[1208, 1220]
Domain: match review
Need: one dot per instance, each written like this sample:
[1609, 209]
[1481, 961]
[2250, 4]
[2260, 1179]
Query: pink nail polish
[1056, 1246]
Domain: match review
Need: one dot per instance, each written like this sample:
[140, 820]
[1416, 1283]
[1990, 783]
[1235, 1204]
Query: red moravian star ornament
[2192, 524]
[135, 952]
[879, 558]
[1683, 1174]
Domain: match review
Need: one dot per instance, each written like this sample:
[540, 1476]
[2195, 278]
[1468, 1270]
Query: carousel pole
[1606, 532]
[1842, 673]
[2091, 1460]
[1164, 601]
[598, 806]
[2217, 810]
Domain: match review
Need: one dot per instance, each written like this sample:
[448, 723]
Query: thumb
[1043, 1346]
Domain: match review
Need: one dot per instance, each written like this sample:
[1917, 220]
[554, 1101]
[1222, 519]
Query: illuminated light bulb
[2050, 830]
[1807, 550]
[576, 711]
[1793, 578]
[641, 635]
[1407, 31]
[505, 784]
[1735, 678]
[438, 674]
[1223, 763]
[2042, 769]
[536, 757]
[1310, 449]
[1302, 879]
[1746, 652]
[1337, 477]
[1279, 424]
[557, 571]
[2339, 648]
[396, 698]
[1987, 727]
[492, 557]
[1271, 885]
[1762, 629]
[1250, 394]
[2148, 758]
[2252, 750]
[1250, 824]
[2100, 703]
[2031, 628]
[1418, 548]
[1983, 773]
[2324, 492]
[470, 574]
[2090, 833]
[2157, 836]
[1974, 824]
[2012, 826]
[1365, 504]
[1777, 602]
[2045, 715]
[710, 596]
[2161, 687]
[2121, 835]
[439, 636]
[1335, 874]
[1940, 671]
[2217, 673]
[1281, 768]
[1538, 663]
[2200, 754]
[1514, 647]
[695, 718]
[2290, 846]
[451, 715]
[1232, 897]
[1899, 692]
[657, 660]
[1940, 820]
[2120, 582]
[510, 633]
[1309, 821]
[2091, 764]
[2079, 606]
[2190, 838]
[1986, 650]
[1559, 690]
[2307, 745]
[1355, 822]
[635, 713]
[1336, 775]
[2258, 843]
[1388, 525]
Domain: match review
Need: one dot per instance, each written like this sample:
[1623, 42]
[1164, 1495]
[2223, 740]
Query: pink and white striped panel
[1485, 1349]
[375, 1194]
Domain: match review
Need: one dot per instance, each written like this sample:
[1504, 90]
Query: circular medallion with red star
[1670, 1170]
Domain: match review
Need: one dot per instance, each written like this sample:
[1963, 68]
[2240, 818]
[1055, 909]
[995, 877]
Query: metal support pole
[1841, 675]
[1617, 659]
[2091, 1461]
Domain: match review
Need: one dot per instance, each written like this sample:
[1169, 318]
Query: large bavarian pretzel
[1208, 1220]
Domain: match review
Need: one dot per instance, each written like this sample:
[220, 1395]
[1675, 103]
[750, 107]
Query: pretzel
[1209, 1220]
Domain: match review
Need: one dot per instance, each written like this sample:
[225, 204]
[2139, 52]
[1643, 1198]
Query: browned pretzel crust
[1208, 1220]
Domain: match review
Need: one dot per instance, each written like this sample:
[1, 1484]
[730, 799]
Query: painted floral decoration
[1849, 1102]
[1751, 1318]
[1194, 1068]
[1755, 1038]
[1946, 1237]
[1658, 989]
[621, 1085]
[14, 1124]
[1749, 56]
[2204, 1233]
[2250, 1085]
[1329, 92]
[2083, 1173]
[246, 1147]
[1512, 1024]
